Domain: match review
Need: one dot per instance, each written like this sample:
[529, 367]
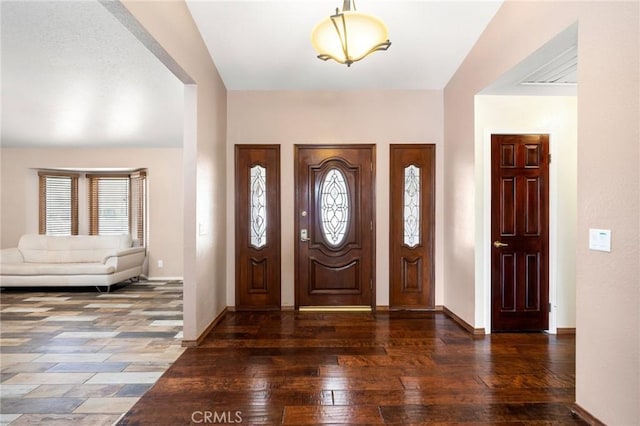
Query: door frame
[271, 253]
[428, 244]
[296, 220]
[483, 257]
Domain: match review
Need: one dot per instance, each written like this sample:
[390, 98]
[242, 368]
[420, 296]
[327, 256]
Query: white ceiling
[266, 45]
[72, 75]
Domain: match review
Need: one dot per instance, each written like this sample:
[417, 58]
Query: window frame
[42, 199]
[136, 215]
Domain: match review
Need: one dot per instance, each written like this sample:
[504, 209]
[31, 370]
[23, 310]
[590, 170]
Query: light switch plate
[600, 239]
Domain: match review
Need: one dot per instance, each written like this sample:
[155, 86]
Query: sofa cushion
[70, 249]
[55, 269]
[11, 255]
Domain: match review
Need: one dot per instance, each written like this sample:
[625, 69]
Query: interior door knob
[499, 244]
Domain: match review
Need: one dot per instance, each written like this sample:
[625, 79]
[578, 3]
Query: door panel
[257, 226]
[335, 199]
[508, 284]
[532, 209]
[508, 207]
[532, 301]
[520, 232]
[412, 216]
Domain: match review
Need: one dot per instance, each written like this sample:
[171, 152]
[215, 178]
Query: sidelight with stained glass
[258, 210]
[411, 206]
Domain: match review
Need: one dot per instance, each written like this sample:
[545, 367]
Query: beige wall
[19, 170]
[607, 285]
[376, 117]
[557, 116]
[168, 30]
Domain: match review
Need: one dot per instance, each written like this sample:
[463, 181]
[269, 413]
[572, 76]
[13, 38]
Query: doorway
[520, 232]
[334, 226]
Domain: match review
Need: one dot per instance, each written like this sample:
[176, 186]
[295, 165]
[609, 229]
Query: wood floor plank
[491, 413]
[364, 414]
[415, 360]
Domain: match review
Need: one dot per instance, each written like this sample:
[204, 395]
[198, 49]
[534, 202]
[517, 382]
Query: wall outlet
[160, 263]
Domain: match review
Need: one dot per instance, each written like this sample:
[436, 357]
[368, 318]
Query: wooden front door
[412, 215]
[335, 229]
[257, 227]
[520, 232]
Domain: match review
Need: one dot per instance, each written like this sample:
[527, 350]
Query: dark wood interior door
[335, 199]
[412, 215]
[520, 232]
[257, 228]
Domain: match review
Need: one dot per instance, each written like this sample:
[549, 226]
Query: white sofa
[79, 260]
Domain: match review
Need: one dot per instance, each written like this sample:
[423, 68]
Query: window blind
[117, 205]
[109, 205]
[138, 205]
[58, 204]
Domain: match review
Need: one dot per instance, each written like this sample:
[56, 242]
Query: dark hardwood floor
[356, 368]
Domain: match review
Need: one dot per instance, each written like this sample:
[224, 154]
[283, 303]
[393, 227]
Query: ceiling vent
[560, 71]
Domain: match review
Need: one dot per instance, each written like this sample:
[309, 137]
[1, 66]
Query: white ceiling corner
[559, 70]
[552, 70]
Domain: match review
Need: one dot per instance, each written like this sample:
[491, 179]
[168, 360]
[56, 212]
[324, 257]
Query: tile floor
[76, 356]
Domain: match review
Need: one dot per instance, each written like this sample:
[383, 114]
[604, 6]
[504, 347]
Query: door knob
[499, 244]
[304, 235]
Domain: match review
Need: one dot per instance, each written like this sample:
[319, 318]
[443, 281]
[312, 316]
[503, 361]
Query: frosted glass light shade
[349, 36]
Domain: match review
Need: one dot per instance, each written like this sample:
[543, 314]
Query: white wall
[19, 171]
[168, 30]
[556, 115]
[608, 350]
[607, 284]
[374, 117]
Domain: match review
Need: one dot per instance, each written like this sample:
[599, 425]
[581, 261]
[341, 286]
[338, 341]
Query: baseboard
[583, 414]
[341, 308]
[462, 323]
[198, 341]
[293, 308]
[379, 308]
[566, 330]
[437, 308]
[161, 278]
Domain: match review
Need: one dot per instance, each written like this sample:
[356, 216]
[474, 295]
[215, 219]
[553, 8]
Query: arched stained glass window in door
[334, 207]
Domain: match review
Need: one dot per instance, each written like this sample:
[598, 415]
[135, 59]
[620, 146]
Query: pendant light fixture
[349, 36]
